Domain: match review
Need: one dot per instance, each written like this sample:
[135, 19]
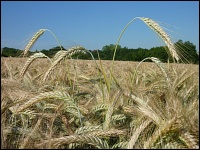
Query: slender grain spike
[33, 40]
[156, 27]
[157, 62]
[164, 36]
[136, 133]
[165, 128]
[87, 129]
[173, 145]
[45, 96]
[145, 109]
[99, 107]
[58, 54]
[109, 133]
[90, 138]
[118, 117]
[120, 145]
[30, 60]
[110, 110]
[189, 140]
[61, 55]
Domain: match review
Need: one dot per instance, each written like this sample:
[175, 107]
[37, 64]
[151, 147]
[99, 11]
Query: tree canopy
[186, 50]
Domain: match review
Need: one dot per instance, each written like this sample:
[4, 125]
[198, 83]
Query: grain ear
[30, 60]
[163, 35]
[33, 40]
[61, 55]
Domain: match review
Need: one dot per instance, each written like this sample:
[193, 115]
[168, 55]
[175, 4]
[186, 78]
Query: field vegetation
[65, 103]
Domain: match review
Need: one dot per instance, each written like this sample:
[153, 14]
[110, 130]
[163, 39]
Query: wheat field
[69, 103]
[76, 108]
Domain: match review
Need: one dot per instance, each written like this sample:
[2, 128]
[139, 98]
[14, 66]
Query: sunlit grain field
[69, 103]
[89, 104]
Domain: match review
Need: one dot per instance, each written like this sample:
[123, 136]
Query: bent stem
[117, 46]
[55, 38]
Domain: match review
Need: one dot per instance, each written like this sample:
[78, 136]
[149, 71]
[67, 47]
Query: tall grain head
[33, 40]
[163, 35]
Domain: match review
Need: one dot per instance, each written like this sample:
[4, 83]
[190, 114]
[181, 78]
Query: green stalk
[55, 38]
[118, 44]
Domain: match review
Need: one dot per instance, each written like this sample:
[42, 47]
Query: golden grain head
[163, 35]
[33, 40]
[79, 107]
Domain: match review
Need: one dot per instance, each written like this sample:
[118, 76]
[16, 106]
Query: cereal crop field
[98, 104]
[64, 103]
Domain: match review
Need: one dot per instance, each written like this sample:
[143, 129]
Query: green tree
[108, 51]
[6, 52]
[158, 52]
[187, 51]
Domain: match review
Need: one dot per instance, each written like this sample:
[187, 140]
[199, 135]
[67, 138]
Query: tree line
[186, 50]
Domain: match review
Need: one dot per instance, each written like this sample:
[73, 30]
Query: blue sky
[94, 24]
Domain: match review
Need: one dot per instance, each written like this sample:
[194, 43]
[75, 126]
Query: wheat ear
[145, 109]
[120, 145]
[99, 107]
[57, 95]
[165, 129]
[158, 63]
[162, 34]
[87, 139]
[136, 133]
[92, 138]
[189, 140]
[61, 55]
[110, 110]
[30, 60]
[33, 40]
[87, 129]
[156, 27]
[173, 145]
